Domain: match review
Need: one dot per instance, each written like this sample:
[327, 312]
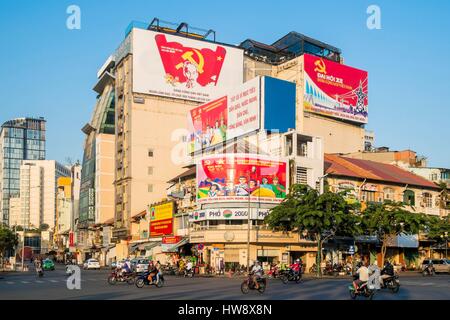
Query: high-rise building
[96, 195]
[38, 189]
[20, 139]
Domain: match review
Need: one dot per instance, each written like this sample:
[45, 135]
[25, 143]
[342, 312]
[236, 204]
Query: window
[150, 171]
[302, 175]
[289, 145]
[409, 198]
[434, 177]
[150, 153]
[368, 196]
[150, 188]
[427, 200]
[388, 194]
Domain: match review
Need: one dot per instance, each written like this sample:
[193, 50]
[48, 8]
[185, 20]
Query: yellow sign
[161, 212]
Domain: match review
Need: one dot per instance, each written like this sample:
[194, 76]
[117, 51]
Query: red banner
[335, 89]
[190, 65]
[171, 240]
[71, 239]
[161, 227]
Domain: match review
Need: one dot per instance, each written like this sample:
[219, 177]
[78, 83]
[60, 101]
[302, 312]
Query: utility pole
[248, 221]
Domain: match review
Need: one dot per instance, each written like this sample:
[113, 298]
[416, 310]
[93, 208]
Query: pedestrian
[222, 267]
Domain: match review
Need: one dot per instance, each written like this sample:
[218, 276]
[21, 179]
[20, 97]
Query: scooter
[392, 283]
[290, 275]
[429, 271]
[142, 280]
[189, 273]
[365, 290]
[248, 285]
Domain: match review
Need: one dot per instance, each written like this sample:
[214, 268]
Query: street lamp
[445, 236]
[248, 221]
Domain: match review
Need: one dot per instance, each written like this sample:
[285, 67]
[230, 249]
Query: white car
[141, 265]
[91, 264]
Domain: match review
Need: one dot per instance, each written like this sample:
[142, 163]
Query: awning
[174, 247]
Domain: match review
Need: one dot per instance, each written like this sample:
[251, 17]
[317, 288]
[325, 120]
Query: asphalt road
[18, 286]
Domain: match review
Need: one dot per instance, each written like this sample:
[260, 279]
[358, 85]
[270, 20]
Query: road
[17, 286]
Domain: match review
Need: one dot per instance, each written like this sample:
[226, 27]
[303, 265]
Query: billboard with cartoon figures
[335, 90]
[235, 177]
[183, 68]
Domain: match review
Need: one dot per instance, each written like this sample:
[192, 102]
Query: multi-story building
[20, 139]
[64, 211]
[38, 190]
[369, 181]
[402, 158]
[331, 97]
[96, 195]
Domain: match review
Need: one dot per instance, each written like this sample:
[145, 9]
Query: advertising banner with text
[161, 219]
[335, 90]
[184, 68]
[235, 177]
[228, 214]
[227, 117]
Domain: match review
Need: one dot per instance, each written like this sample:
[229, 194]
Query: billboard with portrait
[236, 177]
[335, 90]
[184, 68]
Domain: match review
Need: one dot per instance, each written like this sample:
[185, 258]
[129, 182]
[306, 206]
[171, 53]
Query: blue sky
[48, 70]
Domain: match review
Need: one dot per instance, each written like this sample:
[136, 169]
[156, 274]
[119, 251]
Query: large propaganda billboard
[183, 68]
[335, 90]
[227, 117]
[236, 177]
[161, 219]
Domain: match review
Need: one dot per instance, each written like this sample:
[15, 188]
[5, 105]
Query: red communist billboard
[335, 89]
[184, 68]
[233, 177]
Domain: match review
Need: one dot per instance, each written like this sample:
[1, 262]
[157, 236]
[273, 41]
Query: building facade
[20, 139]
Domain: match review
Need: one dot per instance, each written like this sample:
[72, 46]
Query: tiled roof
[191, 172]
[366, 169]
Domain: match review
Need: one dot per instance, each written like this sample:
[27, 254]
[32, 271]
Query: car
[91, 264]
[141, 265]
[440, 265]
[48, 264]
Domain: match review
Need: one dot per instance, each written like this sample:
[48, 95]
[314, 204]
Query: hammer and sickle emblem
[320, 66]
[188, 56]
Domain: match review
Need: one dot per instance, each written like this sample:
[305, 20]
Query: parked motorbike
[429, 271]
[392, 283]
[365, 290]
[117, 277]
[248, 285]
[142, 281]
[290, 275]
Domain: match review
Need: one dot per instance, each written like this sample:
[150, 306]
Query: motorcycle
[290, 275]
[248, 285]
[189, 273]
[69, 270]
[40, 272]
[117, 277]
[365, 290]
[392, 283]
[332, 270]
[274, 273]
[143, 280]
[429, 271]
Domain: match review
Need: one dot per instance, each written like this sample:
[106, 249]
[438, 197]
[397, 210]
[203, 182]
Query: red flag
[190, 66]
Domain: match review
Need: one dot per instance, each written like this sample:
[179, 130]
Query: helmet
[298, 260]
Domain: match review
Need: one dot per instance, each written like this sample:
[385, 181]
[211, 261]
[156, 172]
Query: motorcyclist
[126, 268]
[363, 275]
[158, 270]
[296, 267]
[256, 273]
[152, 271]
[188, 266]
[386, 272]
[38, 266]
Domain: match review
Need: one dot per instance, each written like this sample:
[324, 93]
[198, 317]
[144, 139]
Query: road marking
[25, 281]
[39, 281]
[54, 281]
[9, 282]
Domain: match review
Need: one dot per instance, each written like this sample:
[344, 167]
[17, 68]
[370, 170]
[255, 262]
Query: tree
[437, 228]
[444, 196]
[8, 240]
[322, 216]
[390, 219]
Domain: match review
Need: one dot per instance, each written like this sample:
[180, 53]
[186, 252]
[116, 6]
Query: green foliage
[304, 209]
[438, 226]
[8, 239]
[391, 219]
